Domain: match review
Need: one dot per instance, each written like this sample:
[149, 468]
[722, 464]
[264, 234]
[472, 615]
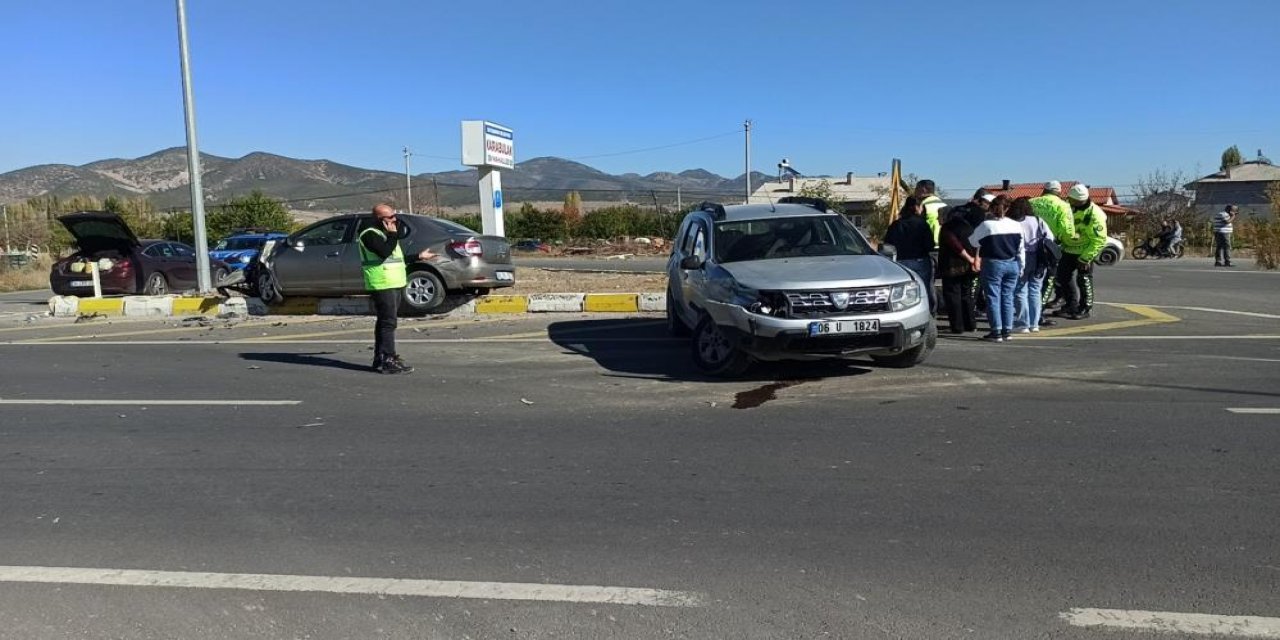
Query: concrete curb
[162, 306]
[146, 306]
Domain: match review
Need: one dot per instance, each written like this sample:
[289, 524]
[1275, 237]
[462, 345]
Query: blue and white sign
[497, 199]
[485, 144]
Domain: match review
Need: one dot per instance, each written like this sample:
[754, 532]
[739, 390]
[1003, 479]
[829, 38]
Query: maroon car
[125, 263]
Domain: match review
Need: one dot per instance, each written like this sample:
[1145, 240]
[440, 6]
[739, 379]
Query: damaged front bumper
[768, 337]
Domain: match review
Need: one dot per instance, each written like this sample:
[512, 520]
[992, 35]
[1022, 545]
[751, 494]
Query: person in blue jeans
[912, 238]
[1026, 297]
[1002, 256]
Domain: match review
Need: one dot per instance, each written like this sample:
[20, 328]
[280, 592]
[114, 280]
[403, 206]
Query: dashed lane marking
[1260, 411]
[119, 323]
[1169, 622]
[351, 585]
[367, 329]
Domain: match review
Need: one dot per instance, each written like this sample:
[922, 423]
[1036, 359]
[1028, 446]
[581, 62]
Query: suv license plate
[841, 327]
[506, 276]
[82, 283]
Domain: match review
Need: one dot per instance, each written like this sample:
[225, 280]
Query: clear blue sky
[964, 92]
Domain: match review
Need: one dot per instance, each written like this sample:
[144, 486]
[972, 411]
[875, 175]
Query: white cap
[1054, 186]
[1079, 193]
[986, 197]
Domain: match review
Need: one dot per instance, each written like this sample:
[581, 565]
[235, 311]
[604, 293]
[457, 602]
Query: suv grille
[807, 304]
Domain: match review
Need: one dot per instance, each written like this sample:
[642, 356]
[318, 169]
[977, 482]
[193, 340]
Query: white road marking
[1263, 411]
[153, 403]
[1240, 358]
[1251, 314]
[261, 343]
[1167, 622]
[368, 586]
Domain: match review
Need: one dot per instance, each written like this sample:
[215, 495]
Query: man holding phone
[385, 276]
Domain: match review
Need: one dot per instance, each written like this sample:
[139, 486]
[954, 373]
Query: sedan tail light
[468, 247]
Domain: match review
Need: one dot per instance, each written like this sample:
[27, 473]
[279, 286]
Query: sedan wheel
[424, 291]
[268, 292]
[714, 353]
[156, 285]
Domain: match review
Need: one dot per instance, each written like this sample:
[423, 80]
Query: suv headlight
[904, 296]
[246, 258]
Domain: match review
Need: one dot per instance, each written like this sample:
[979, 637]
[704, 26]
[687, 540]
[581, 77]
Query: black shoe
[1006, 336]
[1227, 264]
[396, 364]
[378, 363]
[1044, 322]
[1063, 313]
[993, 337]
[1217, 264]
[1081, 315]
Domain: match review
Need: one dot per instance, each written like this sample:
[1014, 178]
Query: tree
[256, 210]
[1231, 158]
[1160, 198]
[821, 190]
[573, 207]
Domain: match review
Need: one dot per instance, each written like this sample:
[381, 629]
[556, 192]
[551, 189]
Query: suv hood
[99, 230]
[817, 273]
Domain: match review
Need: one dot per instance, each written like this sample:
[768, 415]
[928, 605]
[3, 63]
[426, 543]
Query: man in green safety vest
[927, 193]
[1056, 214]
[1078, 253]
[385, 276]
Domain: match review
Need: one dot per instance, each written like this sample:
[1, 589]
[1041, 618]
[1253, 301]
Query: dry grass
[544, 281]
[1266, 244]
[32, 276]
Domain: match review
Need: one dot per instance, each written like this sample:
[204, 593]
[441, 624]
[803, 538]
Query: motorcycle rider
[1171, 234]
[1079, 250]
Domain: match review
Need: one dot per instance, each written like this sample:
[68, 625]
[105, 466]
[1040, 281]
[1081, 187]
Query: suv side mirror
[299, 245]
[889, 251]
[691, 263]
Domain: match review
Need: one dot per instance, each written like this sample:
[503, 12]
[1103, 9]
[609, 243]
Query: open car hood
[99, 230]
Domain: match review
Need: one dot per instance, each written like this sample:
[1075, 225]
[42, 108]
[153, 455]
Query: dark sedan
[323, 260]
[125, 264]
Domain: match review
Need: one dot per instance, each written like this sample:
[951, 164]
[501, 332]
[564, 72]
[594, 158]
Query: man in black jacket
[912, 239]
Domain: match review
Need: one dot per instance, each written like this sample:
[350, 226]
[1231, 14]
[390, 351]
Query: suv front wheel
[714, 353]
[913, 356]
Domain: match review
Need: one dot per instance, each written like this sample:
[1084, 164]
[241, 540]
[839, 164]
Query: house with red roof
[1104, 197]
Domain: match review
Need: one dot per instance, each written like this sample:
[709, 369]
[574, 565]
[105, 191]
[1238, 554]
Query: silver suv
[790, 281]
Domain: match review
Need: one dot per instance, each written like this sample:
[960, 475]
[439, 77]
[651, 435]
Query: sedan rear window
[792, 237]
[239, 244]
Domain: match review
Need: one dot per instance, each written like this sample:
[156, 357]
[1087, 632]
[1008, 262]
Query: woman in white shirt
[1003, 256]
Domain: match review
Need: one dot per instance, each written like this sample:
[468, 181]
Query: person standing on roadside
[385, 276]
[1001, 259]
[1056, 214]
[1026, 297]
[913, 241]
[927, 194]
[958, 267]
[976, 211]
[1075, 270]
[1222, 235]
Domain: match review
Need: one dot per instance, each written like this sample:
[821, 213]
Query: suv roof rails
[714, 208]
[816, 203]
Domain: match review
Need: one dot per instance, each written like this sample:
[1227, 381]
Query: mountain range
[323, 185]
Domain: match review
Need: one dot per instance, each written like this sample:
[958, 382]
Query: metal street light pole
[747, 127]
[408, 181]
[203, 280]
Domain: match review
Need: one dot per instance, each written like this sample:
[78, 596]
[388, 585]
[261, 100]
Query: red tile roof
[1099, 195]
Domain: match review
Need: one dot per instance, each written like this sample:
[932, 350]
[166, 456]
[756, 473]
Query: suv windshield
[796, 237]
[238, 244]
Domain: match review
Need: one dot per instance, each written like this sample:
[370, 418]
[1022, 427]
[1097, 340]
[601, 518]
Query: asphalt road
[1000, 491]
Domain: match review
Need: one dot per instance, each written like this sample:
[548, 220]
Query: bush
[532, 223]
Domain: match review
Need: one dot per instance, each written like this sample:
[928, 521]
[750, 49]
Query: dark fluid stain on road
[760, 395]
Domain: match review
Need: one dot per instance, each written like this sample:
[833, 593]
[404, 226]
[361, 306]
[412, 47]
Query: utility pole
[4, 209]
[679, 200]
[203, 279]
[435, 192]
[408, 181]
[746, 127]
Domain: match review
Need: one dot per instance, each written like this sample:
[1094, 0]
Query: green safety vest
[932, 205]
[1057, 215]
[382, 274]
[1091, 233]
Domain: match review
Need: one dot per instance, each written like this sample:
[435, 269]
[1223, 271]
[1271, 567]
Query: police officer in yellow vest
[385, 276]
[927, 193]
[1075, 270]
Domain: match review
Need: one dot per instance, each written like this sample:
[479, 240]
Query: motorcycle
[1150, 248]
